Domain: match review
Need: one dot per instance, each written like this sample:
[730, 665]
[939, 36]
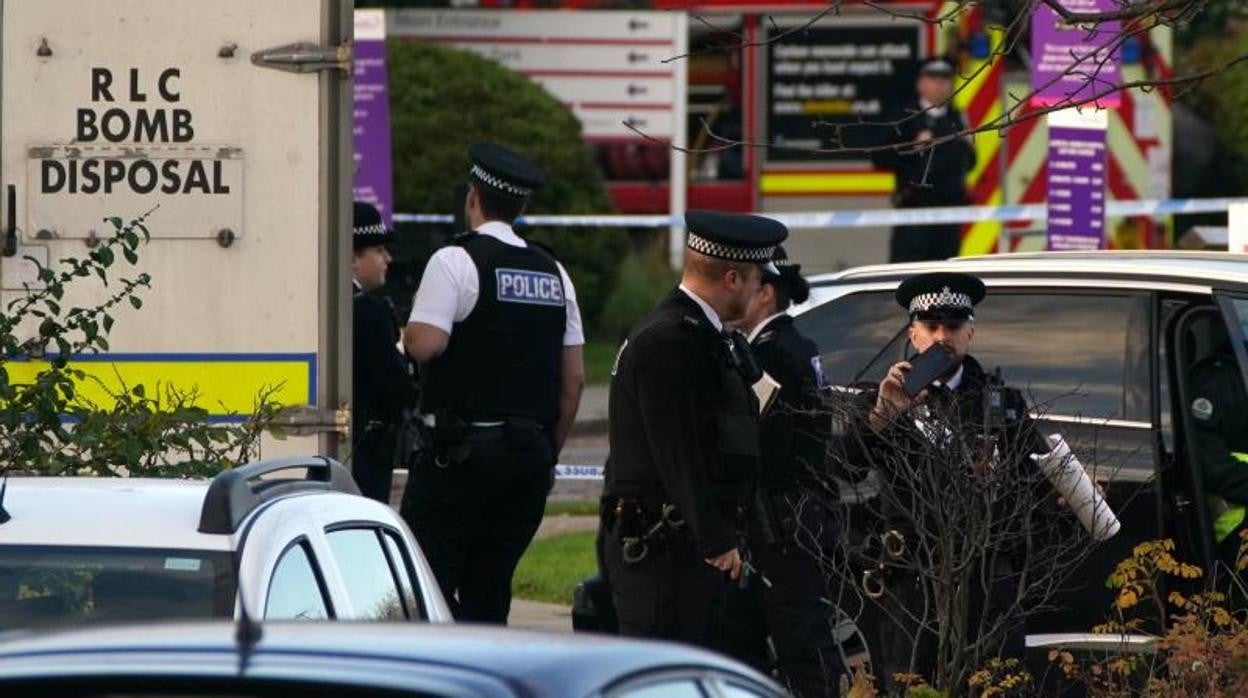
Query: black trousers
[903, 645]
[672, 594]
[372, 463]
[793, 606]
[475, 518]
[918, 243]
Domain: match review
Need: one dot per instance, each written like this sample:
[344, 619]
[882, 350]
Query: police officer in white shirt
[496, 327]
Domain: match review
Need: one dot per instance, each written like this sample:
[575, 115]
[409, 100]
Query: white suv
[253, 539]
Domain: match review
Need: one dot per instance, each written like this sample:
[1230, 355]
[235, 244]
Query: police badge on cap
[941, 296]
[503, 170]
[736, 237]
[368, 230]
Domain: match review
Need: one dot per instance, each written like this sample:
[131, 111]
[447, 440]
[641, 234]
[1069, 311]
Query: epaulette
[765, 337]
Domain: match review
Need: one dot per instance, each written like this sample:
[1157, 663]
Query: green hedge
[444, 99]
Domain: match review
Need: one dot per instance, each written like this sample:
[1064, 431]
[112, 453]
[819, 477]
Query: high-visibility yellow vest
[1228, 518]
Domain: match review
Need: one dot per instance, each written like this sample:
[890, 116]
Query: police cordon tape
[867, 218]
[567, 471]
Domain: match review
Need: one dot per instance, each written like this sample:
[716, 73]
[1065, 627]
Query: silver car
[275, 539]
[1102, 341]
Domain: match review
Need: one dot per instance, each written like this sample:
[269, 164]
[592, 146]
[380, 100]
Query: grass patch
[572, 507]
[552, 567]
[599, 357]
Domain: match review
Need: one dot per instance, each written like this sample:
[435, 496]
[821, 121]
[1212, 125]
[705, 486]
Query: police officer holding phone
[942, 393]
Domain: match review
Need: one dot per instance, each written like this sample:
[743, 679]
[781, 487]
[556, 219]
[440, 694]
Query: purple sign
[1075, 64]
[1076, 187]
[373, 181]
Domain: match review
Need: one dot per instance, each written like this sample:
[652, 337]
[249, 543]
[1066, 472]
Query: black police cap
[503, 170]
[787, 274]
[368, 229]
[736, 237]
[941, 296]
[939, 67]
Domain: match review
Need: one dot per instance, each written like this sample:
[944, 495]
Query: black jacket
[382, 386]
[940, 182]
[793, 433]
[684, 426]
[960, 428]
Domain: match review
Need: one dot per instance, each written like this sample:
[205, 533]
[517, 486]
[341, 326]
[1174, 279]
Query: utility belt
[641, 526]
[449, 435]
[885, 557]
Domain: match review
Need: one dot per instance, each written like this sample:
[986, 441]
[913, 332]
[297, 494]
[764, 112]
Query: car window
[403, 570]
[296, 592]
[1080, 355]
[47, 586]
[1077, 355]
[851, 332]
[366, 573]
[1241, 313]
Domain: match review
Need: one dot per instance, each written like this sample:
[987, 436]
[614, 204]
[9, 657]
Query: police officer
[793, 527]
[383, 387]
[684, 440]
[1220, 444]
[952, 416]
[496, 326]
[931, 176]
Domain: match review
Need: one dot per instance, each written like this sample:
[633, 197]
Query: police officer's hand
[892, 399]
[729, 562]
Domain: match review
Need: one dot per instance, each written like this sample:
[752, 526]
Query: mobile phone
[933, 364]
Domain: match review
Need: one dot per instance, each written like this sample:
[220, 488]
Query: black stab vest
[503, 360]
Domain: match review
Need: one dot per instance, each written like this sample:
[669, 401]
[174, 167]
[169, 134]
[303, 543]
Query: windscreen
[48, 586]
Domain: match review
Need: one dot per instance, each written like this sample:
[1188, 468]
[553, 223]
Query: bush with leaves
[48, 426]
[1204, 649]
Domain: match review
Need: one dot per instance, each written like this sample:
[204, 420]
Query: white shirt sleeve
[573, 334]
[448, 290]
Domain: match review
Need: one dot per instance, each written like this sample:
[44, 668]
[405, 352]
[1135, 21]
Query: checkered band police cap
[735, 237]
[945, 299]
[711, 248]
[941, 295]
[498, 183]
[367, 227]
[503, 170]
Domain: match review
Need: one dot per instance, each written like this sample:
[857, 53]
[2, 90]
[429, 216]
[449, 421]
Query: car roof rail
[236, 493]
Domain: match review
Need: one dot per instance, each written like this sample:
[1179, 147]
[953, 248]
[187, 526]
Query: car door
[1198, 330]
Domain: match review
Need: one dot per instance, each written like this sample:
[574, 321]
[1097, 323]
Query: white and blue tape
[870, 218]
[578, 472]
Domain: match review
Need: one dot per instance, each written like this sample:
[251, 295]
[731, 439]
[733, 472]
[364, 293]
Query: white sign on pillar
[622, 73]
[1237, 229]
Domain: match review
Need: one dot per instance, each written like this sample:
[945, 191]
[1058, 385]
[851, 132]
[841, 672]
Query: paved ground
[534, 615]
